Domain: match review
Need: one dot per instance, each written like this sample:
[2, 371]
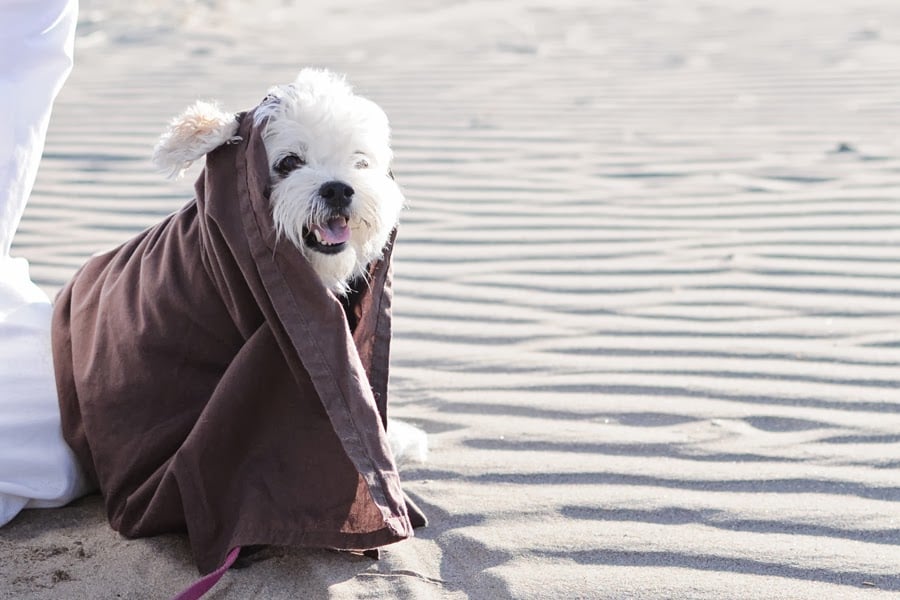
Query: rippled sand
[648, 287]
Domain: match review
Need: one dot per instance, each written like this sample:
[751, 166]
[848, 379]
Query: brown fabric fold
[209, 383]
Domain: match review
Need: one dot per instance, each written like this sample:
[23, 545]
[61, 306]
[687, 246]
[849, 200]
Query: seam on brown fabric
[356, 439]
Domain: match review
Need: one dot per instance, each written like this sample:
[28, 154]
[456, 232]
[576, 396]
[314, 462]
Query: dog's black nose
[336, 194]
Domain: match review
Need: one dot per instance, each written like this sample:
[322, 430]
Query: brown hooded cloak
[209, 382]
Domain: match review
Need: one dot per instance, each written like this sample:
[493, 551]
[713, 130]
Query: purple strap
[204, 584]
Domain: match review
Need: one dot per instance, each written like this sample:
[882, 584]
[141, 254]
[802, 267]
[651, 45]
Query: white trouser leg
[36, 466]
[36, 40]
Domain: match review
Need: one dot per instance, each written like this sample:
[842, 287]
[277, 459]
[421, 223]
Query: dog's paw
[198, 130]
[409, 444]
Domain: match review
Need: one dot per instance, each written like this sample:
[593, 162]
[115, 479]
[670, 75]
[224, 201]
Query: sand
[648, 287]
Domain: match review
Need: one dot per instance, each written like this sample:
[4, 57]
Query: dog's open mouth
[330, 237]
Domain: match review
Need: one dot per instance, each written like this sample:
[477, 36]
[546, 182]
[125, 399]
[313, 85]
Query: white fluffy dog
[333, 194]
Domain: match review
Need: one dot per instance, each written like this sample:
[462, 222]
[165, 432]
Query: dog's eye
[362, 163]
[289, 163]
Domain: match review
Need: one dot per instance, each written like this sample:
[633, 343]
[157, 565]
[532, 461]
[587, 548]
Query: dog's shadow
[465, 562]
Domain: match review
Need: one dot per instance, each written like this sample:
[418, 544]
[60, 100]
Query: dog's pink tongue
[336, 231]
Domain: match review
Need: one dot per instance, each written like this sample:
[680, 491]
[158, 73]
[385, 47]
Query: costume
[210, 383]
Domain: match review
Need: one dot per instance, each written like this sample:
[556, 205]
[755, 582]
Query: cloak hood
[210, 383]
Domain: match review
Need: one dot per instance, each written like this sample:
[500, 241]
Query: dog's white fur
[201, 128]
[341, 137]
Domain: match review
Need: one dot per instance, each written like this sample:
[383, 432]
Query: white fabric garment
[37, 469]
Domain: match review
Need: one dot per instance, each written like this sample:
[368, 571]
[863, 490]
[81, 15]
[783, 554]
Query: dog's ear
[198, 130]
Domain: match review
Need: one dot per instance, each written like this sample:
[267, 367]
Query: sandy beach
[647, 288]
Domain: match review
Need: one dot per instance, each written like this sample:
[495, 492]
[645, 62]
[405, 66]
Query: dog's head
[333, 195]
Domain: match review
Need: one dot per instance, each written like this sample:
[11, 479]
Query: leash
[204, 584]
